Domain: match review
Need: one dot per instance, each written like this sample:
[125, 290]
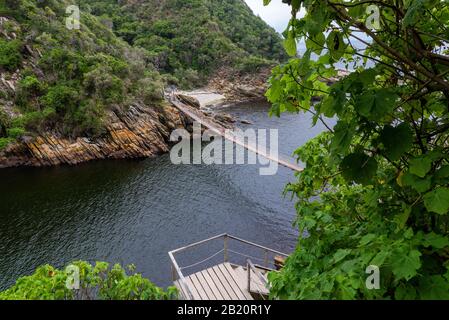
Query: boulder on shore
[250, 91]
[191, 101]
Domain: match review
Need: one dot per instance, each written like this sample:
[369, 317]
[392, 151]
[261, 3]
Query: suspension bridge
[218, 129]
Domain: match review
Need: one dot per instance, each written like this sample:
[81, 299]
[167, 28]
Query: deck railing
[228, 253]
[252, 269]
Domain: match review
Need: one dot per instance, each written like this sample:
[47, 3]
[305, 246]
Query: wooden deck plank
[183, 293]
[183, 296]
[231, 293]
[193, 290]
[228, 277]
[245, 295]
[205, 286]
[212, 285]
[219, 284]
[199, 287]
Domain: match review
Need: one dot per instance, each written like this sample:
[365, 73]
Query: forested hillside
[189, 39]
[64, 81]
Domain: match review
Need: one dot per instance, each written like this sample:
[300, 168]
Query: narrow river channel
[137, 211]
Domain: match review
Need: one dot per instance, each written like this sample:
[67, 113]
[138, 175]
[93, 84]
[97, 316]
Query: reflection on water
[137, 211]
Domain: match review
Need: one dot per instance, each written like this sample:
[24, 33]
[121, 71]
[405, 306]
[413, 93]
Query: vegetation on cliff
[375, 191]
[64, 81]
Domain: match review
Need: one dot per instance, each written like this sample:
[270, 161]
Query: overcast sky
[277, 14]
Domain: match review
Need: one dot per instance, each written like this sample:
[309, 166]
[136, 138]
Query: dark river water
[137, 211]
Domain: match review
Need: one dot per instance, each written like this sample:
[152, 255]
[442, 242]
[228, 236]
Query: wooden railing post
[226, 256]
[173, 273]
[266, 258]
[248, 266]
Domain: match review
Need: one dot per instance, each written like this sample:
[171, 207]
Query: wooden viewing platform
[233, 277]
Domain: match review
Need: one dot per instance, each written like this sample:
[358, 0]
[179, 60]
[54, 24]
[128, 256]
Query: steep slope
[68, 96]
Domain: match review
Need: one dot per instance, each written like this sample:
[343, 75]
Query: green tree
[375, 190]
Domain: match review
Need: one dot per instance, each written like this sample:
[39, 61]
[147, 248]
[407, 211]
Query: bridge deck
[222, 282]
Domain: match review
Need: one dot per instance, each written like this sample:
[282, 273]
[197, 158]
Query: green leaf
[365, 104]
[420, 166]
[396, 141]
[435, 240]
[367, 76]
[341, 141]
[290, 44]
[405, 264]
[442, 175]
[405, 292]
[438, 200]
[334, 103]
[359, 168]
[316, 43]
[367, 239]
[376, 105]
[296, 4]
[434, 288]
[336, 45]
[341, 254]
[402, 218]
[419, 184]
[413, 12]
[380, 258]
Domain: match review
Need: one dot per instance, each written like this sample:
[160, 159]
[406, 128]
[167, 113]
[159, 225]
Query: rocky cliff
[136, 133]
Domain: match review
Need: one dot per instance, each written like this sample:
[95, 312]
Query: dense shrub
[4, 122]
[15, 133]
[99, 281]
[151, 91]
[4, 142]
[251, 64]
[61, 98]
[88, 119]
[10, 56]
[29, 88]
[102, 84]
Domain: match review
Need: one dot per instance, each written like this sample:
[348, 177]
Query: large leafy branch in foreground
[375, 191]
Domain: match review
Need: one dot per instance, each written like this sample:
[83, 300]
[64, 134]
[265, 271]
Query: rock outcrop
[239, 88]
[190, 100]
[138, 132]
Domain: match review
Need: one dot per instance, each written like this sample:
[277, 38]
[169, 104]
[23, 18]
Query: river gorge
[135, 211]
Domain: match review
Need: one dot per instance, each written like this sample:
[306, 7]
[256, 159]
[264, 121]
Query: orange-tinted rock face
[139, 132]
